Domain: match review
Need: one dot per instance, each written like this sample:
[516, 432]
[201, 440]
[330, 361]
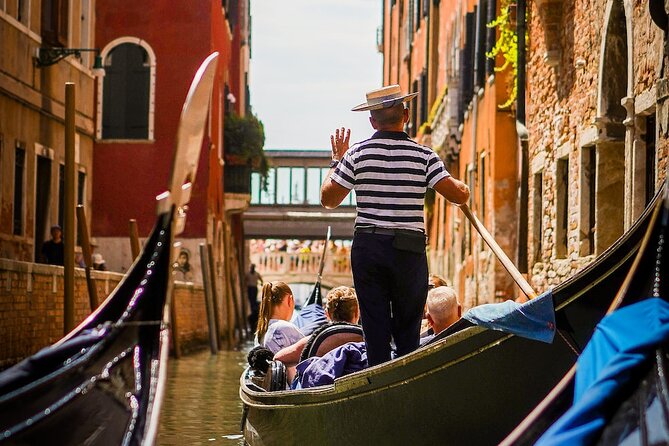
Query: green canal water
[201, 405]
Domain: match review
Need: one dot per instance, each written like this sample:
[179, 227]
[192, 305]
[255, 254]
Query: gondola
[103, 382]
[639, 412]
[473, 386]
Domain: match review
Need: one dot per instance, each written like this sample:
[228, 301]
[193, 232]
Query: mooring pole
[208, 284]
[88, 256]
[69, 239]
[134, 238]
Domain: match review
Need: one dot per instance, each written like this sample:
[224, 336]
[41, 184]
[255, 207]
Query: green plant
[244, 138]
[506, 46]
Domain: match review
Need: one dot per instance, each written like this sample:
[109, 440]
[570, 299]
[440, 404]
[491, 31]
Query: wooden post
[205, 262]
[134, 239]
[69, 233]
[88, 256]
[228, 288]
[214, 293]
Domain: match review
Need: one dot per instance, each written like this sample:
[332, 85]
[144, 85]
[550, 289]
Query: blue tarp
[622, 342]
[345, 359]
[534, 319]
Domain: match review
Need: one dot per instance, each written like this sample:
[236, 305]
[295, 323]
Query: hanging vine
[506, 46]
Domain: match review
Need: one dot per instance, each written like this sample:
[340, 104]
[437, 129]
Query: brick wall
[31, 307]
[568, 112]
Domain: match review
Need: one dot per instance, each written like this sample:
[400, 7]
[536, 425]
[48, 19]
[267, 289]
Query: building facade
[560, 165]
[439, 48]
[139, 103]
[596, 152]
[32, 115]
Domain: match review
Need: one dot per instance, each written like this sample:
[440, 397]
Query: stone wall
[572, 106]
[31, 308]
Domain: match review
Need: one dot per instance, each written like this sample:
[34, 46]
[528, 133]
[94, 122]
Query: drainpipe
[523, 154]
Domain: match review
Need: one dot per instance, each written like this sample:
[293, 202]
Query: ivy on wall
[506, 46]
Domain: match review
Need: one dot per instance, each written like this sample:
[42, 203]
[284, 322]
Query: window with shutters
[55, 22]
[562, 204]
[19, 188]
[423, 98]
[491, 36]
[467, 65]
[480, 58]
[538, 217]
[127, 90]
[588, 193]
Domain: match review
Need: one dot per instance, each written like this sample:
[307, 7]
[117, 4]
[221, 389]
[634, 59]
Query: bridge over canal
[289, 208]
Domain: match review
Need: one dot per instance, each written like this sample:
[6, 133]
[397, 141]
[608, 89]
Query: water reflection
[202, 403]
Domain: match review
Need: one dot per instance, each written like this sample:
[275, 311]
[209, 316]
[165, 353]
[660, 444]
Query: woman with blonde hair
[275, 331]
[341, 307]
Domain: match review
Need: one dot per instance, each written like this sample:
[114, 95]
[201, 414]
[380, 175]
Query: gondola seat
[330, 337]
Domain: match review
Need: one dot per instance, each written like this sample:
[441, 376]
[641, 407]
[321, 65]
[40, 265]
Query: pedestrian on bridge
[390, 174]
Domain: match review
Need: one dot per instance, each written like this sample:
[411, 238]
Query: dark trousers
[391, 286]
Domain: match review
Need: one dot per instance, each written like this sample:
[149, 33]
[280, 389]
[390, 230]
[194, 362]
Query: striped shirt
[390, 174]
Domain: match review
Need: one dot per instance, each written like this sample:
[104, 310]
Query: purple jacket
[348, 358]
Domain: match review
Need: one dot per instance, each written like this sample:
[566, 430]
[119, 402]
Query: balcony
[237, 187]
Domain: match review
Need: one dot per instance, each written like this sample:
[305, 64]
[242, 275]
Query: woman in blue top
[274, 330]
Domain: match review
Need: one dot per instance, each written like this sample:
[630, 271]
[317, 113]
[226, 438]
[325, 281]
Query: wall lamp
[47, 56]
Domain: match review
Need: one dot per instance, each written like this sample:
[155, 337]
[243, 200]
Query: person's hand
[339, 142]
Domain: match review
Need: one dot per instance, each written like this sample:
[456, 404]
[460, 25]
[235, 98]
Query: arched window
[127, 91]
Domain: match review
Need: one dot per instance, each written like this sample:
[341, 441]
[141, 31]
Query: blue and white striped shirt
[390, 174]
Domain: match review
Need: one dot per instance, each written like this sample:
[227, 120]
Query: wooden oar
[506, 262]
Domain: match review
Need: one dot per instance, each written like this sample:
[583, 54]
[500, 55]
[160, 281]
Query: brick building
[32, 114]
[596, 153]
[590, 154]
[439, 49]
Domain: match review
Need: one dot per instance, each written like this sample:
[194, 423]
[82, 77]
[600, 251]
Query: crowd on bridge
[259, 246]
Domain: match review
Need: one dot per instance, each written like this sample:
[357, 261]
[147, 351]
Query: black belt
[383, 231]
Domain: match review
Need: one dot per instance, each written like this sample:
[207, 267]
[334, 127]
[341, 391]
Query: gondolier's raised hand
[339, 142]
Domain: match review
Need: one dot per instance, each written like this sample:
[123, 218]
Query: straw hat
[384, 98]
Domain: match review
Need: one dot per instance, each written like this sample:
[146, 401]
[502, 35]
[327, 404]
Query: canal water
[201, 405]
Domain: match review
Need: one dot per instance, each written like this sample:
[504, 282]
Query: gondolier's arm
[332, 193]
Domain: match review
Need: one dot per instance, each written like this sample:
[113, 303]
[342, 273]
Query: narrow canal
[201, 405]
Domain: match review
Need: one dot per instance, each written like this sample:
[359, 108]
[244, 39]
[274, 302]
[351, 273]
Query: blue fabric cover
[309, 318]
[622, 342]
[345, 359]
[534, 319]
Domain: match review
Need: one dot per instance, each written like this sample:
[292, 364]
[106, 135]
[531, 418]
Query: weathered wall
[567, 113]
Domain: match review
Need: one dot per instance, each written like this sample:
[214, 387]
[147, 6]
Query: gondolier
[390, 174]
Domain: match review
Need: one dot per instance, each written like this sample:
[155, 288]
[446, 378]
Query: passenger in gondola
[341, 308]
[443, 310]
[433, 281]
[275, 331]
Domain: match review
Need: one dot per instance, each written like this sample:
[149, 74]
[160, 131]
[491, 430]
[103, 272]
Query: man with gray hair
[443, 310]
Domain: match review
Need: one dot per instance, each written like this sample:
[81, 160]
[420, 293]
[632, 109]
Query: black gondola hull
[473, 387]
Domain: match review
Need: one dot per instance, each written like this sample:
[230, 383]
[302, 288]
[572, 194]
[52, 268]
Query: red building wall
[128, 175]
